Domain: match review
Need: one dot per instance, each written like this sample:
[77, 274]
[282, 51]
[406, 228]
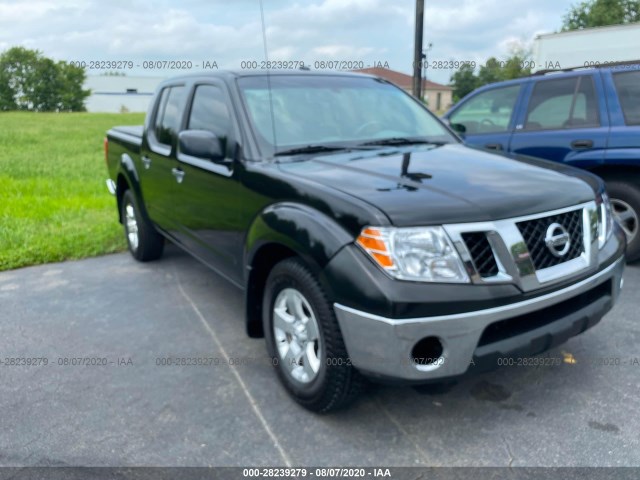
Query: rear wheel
[625, 201]
[304, 340]
[145, 243]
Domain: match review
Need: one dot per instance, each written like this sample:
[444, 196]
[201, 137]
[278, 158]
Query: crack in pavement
[247, 393]
[409, 436]
[511, 458]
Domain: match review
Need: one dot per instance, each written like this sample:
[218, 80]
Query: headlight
[605, 219]
[423, 254]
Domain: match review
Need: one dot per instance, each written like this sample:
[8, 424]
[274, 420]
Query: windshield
[339, 111]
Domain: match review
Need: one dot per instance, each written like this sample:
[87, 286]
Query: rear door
[208, 199]
[157, 174]
[488, 116]
[623, 87]
[565, 120]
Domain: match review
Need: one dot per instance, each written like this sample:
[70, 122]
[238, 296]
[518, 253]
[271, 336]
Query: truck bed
[123, 140]
[128, 133]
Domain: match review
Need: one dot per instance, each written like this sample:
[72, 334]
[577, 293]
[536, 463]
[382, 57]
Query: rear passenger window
[169, 114]
[209, 112]
[563, 103]
[628, 89]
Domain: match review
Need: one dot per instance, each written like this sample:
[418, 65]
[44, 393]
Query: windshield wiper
[310, 149]
[403, 141]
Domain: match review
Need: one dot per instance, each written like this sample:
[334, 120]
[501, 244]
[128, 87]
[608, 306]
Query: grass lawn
[54, 204]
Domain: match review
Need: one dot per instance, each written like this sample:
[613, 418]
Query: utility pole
[417, 50]
[425, 66]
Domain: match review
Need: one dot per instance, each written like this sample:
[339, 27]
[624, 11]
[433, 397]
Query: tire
[144, 242]
[307, 319]
[625, 201]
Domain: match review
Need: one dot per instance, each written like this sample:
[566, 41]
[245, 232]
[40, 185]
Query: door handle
[493, 146]
[582, 144]
[146, 161]
[179, 174]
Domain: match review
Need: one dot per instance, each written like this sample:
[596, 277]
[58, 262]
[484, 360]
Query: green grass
[54, 204]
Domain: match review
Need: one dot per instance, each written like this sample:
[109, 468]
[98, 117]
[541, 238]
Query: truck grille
[534, 233]
[481, 253]
[529, 251]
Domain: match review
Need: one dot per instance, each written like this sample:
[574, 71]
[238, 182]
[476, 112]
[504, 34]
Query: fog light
[427, 352]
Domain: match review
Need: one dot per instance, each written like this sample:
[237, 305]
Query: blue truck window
[628, 89]
[488, 112]
[562, 103]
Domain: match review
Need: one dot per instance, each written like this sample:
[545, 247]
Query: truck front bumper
[386, 347]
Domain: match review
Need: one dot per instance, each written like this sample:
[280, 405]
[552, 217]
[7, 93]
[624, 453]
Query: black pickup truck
[368, 241]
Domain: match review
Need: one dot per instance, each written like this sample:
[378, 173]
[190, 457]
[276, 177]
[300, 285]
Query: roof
[251, 73]
[401, 79]
[227, 75]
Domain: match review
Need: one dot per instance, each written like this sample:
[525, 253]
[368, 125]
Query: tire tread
[343, 383]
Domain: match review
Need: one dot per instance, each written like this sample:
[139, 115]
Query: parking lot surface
[129, 410]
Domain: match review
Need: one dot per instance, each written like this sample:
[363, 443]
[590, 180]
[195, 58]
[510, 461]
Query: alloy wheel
[297, 335]
[131, 224]
[626, 216]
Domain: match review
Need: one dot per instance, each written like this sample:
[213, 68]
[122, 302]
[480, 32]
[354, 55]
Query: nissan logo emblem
[557, 240]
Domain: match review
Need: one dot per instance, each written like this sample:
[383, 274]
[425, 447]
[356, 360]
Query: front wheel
[144, 242]
[304, 340]
[625, 202]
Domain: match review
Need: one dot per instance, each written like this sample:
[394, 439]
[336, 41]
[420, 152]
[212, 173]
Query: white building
[120, 94]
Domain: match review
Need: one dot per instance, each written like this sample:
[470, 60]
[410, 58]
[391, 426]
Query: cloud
[230, 32]
[341, 51]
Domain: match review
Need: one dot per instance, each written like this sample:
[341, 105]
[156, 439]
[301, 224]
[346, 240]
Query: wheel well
[121, 187]
[263, 261]
[623, 173]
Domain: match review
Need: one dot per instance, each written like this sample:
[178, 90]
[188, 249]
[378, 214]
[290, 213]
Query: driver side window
[487, 112]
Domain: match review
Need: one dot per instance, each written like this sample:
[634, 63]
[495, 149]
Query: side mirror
[201, 144]
[458, 128]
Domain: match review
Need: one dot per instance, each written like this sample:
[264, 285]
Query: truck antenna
[266, 58]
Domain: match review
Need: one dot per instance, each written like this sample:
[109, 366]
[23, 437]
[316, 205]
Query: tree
[18, 67]
[30, 81]
[517, 66]
[7, 94]
[463, 81]
[600, 13]
[73, 95]
[45, 86]
[491, 72]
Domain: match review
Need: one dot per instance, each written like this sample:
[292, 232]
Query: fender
[281, 228]
[622, 157]
[127, 170]
[309, 232]
[622, 164]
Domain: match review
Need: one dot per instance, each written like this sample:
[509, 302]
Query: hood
[429, 185]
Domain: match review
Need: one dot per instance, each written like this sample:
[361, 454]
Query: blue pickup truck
[586, 117]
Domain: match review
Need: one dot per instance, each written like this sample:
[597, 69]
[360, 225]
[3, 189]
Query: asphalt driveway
[124, 408]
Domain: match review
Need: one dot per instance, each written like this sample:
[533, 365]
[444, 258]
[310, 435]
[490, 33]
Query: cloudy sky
[229, 32]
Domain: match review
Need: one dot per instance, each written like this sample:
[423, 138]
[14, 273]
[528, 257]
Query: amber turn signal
[375, 244]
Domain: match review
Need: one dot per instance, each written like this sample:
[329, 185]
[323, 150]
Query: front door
[486, 117]
[208, 201]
